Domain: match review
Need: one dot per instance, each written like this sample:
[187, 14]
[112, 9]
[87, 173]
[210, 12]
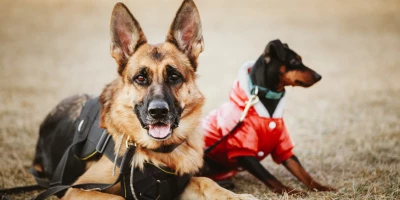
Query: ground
[346, 127]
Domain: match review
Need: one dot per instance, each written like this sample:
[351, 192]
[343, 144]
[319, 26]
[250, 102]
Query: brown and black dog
[154, 102]
[263, 131]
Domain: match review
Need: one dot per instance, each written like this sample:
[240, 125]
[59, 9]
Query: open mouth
[159, 131]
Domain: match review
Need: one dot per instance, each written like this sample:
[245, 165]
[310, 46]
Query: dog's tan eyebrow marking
[172, 68]
[142, 70]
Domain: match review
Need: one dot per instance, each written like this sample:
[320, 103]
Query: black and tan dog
[263, 131]
[153, 103]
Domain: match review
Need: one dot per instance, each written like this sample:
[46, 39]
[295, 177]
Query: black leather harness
[91, 141]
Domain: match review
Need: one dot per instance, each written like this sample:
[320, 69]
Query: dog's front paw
[245, 197]
[297, 193]
[322, 188]
[291, 192]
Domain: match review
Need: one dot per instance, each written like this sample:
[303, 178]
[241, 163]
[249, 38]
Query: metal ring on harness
[255, 89]
[128, 143]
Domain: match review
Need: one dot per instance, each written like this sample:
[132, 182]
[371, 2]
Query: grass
[346, 128]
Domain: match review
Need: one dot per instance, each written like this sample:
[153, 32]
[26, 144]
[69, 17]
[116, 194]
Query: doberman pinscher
[263, 131]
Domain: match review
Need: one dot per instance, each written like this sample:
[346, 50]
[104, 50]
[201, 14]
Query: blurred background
[346, 127]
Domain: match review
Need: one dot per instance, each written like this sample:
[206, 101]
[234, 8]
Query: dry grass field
[346, 128]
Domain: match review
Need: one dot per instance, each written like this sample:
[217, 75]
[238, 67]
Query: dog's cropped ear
[275, 48]
[186, 33]
[126, 35]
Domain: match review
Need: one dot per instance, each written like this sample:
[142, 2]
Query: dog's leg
[252, 165]
[294, 166]
[83, 195]
[203, 188]
[99, 172]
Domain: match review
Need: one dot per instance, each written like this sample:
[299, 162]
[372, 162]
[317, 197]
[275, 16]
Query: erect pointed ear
[126, 35]
[185, 31]
[275, 48]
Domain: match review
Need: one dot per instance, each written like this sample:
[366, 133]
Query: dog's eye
[174, 78]
[140, 79]
[294, 61]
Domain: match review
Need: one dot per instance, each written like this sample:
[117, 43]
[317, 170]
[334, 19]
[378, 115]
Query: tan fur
[118, 99]
[201, 188]
[38, 167]
[290, 77]
[118, 116]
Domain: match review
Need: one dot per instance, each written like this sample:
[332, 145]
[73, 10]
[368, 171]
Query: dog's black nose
[158, 109]
[317, 77]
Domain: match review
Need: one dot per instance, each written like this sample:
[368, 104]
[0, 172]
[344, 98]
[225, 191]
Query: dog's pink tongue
[159, 131]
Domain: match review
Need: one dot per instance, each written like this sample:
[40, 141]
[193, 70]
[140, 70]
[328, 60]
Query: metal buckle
[255, 90]
[129, 143]
[101, 145]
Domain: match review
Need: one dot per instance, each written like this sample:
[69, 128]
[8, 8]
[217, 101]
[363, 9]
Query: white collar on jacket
[243, 77]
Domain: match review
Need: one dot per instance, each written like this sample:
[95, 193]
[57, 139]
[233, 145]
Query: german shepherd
[263, 131]
[154, 102]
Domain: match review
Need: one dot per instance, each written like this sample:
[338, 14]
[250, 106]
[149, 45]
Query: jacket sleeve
[283, 150]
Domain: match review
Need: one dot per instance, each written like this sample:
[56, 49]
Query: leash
[124, 171]
[90, 108]
[17, 190]
[89, 140]
[124, 164]
[127, 181]
[251, 102]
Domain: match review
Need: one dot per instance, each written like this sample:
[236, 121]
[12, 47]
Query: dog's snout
[317, 77]
[158, 109]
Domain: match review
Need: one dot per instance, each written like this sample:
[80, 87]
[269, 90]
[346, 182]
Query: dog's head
[154, 100]
[280, 66]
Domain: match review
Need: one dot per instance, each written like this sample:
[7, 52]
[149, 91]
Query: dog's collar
[162, 149]
[269, 94]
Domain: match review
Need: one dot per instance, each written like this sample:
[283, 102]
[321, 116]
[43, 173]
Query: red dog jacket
[259, 135]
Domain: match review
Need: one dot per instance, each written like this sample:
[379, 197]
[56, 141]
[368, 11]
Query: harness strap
[16, 190]
[124, 170]
[42, 182]
[106, 147]
[212, 147]
[91, 108]
[90, 140]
